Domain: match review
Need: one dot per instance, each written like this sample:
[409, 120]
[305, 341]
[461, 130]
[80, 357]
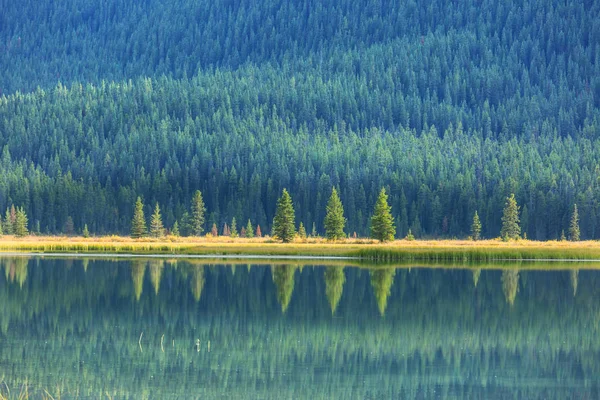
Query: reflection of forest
[443, 329]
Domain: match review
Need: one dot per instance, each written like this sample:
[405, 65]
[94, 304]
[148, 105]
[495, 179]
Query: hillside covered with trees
[451, 106]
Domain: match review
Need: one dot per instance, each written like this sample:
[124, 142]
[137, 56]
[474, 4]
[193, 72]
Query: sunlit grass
[430, 250]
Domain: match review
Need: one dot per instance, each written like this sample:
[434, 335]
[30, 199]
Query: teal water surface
[161, 329]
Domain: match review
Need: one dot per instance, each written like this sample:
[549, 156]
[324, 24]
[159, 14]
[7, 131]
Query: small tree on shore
[86, 231]
[476, 227]
[21, 222]
[175, 229]
[138, 223]
[574, 232]
[198, 211]
[301, 231]
[284, 226]
[510, 219]
[214, 230]
[382, 223]
[334, 219]
[233, 230]
[157, 229]
[249, 230]
[258, 231]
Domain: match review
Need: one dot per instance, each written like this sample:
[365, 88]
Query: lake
[161, 329]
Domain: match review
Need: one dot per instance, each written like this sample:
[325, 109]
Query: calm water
[179, 329]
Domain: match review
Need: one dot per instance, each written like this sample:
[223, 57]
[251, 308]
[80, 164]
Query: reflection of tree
[138, 268]
[197, 281]
[574, 275]
[476, 274]
[156, 270]
[86, 263]
[15, 269]
[510, 284]
[334, 285]
[283, 276]
[382, 280]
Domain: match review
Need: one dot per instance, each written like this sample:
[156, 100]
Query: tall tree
[249, 230]
[157, 229]
[284, 226]
[476, 227]
[175, 229]
[574, 225]
[510, 219]
[382, 223]
[233, 230]
[198, 210]
[138, 223]
[21, 222]
[334, 219]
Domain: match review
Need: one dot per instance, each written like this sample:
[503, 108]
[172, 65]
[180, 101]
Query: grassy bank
[400, 250]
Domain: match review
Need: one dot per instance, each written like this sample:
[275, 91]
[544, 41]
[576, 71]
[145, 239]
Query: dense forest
[451, 106]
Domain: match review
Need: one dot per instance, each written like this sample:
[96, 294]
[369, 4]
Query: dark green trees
[198, 210]
[284, 226]
[574, 232]
[334, 219]
[21, 222]
[476, 227]
[138, 223]
[382, 223]
[157, 229]
[510, 219]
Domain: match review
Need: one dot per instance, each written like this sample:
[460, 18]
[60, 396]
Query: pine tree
[214, 230]
[476, 227]
[186, 224]
[233, 230]
[301, 231]
[382, 223]
[313, 233]
[198, 211]
[138, 223]
[334, 219]
[21, 222]
[563, 238]
[8, 225]
[510, 219]
[258, 231]
[69, 226]
[175, 230]
[86, 232]
[157, 229]
[284, 226]
[249, 230]
[574, 225]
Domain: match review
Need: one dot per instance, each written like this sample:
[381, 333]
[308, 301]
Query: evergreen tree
[510, 219]
[382, 223]
[8, 226]
[175, 230]
[334, 219]
[476, 227]
[563, 238]
[258, 231]
[313, 233]
[157, 229]
[198, 211]
[138, 223]
[233, 230]
[1, 226]
[243, 232]
[69, 226]
[249, 230]
[574, 225]
[301, 231]
[21, 222]
[214, 230]
[86, 232]
[409, 236]
[284, 226]
[186, 224]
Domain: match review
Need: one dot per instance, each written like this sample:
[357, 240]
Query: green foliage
[574, 233]
[334, 286]
[157, 228]
[409, 236]
[86, 231]
[21, 222]
[198, 210]
[175, 229]
[283, 277]
[476, 227]
[249, 230]
[301, 231]
[138, 223]
[284, 226]
[233, 229]
[334, 219]
[382, 223]
[510, 219]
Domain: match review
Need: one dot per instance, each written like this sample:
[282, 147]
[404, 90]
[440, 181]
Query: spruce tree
[249, 230]
[198, 210]
[21, 222]
[574, 225]
[382, 223]
[476, 227]
[314, 230]
[8, 225]
[334, 219]
[138, 223]
[175, 230]
[157, 229]
[510, 219]
[301, 231]
[233, 229]
[284, 226]
[86, 232]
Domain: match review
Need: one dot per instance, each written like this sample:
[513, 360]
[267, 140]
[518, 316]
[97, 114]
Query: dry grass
[432, 250]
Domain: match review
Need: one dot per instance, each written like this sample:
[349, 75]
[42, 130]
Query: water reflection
[177, 328]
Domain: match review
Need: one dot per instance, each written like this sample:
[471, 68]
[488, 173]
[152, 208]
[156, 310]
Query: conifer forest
[451, 106]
